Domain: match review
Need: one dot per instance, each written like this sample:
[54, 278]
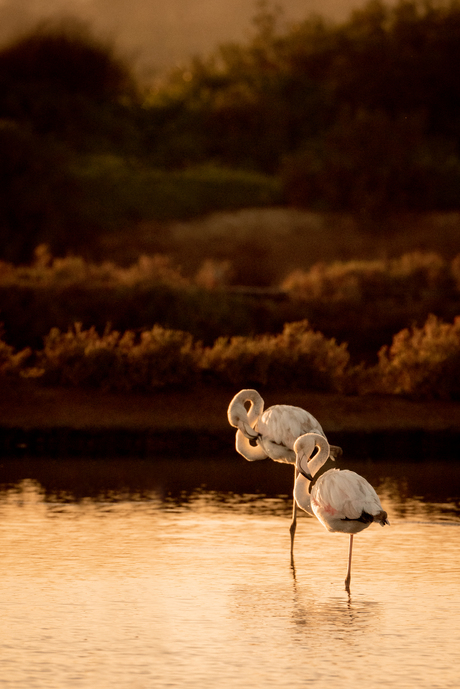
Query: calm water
[136, 574]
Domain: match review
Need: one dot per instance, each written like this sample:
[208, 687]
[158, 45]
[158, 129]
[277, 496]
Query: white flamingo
[343, 501]
[271, 433]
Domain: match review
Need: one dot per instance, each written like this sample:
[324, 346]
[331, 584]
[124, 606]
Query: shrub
[298, 357]
[422, 361]
[141, 362]
[12, 362]
[117, 190]
[63, 81]
[39, 199]
[238, 359]
[337, 281]
[160, 357]
[414, 275]
[370, 162]
[60, 273]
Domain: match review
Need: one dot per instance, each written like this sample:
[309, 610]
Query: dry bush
[11, 362]
[298, 357]
[160, 357]
[141, 362]
[337, 281]
[422, 362]
[213, 274]
[47, 271]
[415, 274]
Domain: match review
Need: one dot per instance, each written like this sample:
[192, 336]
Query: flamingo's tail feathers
[335, 451]
[366, 518]
[382, 518]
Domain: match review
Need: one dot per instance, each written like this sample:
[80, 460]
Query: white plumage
[343, 501]
[271, 433]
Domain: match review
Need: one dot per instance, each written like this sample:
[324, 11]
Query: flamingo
[343, 501]
[271, 433]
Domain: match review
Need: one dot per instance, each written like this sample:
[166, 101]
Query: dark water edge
[224, 482]
[411, 445]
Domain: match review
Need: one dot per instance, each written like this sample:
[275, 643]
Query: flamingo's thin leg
[347, 580]
[293, 526]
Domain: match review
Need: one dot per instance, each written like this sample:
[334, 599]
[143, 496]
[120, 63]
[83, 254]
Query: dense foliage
[421, 362]
[363, 303]
[361, 116]
[76, 151]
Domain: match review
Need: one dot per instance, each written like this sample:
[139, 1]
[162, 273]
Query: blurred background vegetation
[311, 174]
[361, 117]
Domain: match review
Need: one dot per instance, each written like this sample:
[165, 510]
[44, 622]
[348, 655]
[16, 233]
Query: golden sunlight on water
[148, 592]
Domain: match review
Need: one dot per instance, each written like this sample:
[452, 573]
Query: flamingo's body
[271, 433]
[343, 501]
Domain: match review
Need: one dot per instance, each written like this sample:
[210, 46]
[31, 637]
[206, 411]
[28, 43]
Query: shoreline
[56, 421]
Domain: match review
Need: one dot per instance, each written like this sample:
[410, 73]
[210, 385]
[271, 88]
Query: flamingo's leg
[348, 578]
[293, 526]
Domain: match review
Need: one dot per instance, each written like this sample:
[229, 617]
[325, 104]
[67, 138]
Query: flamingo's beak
[307, 474]
[253, 441]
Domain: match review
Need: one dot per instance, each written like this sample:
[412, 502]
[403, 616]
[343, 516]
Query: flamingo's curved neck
[244, 447]
[239, 416]
[321, 457]
[256, 406]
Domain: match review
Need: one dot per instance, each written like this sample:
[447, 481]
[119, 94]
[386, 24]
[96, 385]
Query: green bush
[359, 115]
[117, 190]
[75, 161]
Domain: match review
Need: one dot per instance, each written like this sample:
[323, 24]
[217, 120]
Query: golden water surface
[145, 591]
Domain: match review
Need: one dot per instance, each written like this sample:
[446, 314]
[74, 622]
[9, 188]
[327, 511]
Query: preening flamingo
[271, 433]
[343, 501]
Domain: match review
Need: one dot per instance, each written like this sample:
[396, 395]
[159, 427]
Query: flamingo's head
[239, 417]
[308, 447]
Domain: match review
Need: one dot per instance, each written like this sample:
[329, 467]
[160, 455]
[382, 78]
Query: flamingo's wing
[346, 494]
[283, 424]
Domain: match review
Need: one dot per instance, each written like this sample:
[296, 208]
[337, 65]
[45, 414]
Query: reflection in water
[313, 620]
[178, 574]
[417, 490]
[342, 618]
